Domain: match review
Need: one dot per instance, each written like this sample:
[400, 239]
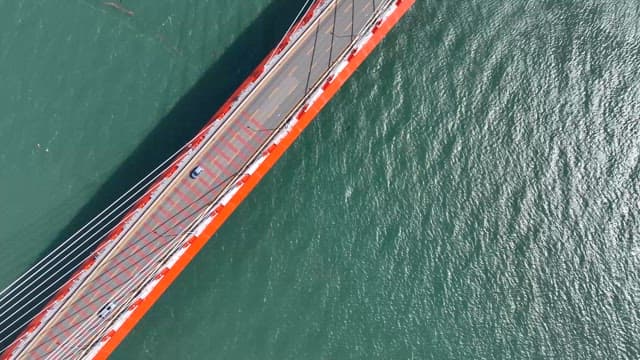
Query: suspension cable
[92, 224]
[37, 296]
[60, 287]
[293, 23]
[100, 218]
[33, 271]
[125, 287]
[65, 247]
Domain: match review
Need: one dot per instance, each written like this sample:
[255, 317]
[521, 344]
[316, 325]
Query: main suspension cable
[22, 278]
[65, 249]
[12, 287]
[87, 231]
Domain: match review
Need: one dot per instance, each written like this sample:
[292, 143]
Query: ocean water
[471, 193]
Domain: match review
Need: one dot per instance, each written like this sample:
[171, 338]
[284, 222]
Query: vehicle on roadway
[196, 171]
[106, 310]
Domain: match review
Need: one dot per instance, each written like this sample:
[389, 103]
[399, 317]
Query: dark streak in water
[118, 7]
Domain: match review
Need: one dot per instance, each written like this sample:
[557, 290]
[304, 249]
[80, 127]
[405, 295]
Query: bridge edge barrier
[203, 238]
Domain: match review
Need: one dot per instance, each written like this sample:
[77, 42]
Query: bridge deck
[117, 277]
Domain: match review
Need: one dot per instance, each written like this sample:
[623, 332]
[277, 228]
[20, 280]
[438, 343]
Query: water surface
[471, 193]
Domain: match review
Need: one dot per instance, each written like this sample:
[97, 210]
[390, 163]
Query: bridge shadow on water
[186, 118]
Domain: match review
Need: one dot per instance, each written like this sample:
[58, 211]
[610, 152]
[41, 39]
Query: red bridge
[186, 202]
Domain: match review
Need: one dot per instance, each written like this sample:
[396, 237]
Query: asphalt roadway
[116, 278]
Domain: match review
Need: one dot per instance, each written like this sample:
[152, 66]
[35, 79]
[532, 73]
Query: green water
[471, 193]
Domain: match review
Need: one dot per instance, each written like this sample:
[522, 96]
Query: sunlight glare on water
[471, 193]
